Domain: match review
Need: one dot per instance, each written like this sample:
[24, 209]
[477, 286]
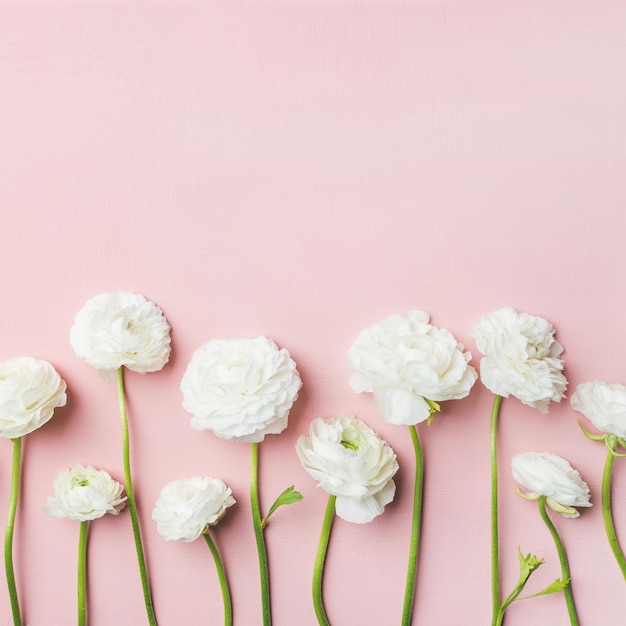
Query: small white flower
[85, 493]
[545, 474]
[521, 357]
[603, 404]
[186, 508]
[407, 362]
[121, 329]
[352, 462]
[241, 389]
[30, 390]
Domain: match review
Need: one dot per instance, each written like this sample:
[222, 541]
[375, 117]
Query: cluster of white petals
[603, 404]
[85, 493]
[349, 460]
[121, 329]
[405, 361]
[521, 357]
[186, 508]
[30, 390]
[545, 474]
[241, 389]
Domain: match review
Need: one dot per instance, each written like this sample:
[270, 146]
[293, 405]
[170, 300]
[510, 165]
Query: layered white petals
[603, 404]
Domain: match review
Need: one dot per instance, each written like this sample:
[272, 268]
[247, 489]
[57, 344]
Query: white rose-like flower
[545, 474]
[85, 493]
[350, 461]
[30, 390]
[406, 362]
[521, 357]
[186, 508]
[241, 389]
[603, 404]
[121, 329]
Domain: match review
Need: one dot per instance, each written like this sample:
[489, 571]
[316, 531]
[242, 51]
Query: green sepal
[434, 408]
[289, 496]
[612, 441]
[591, 436]
[555, 587]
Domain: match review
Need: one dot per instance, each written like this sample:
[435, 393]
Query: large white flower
[352, 462]
[603, 404]
[30, 390]
[521, 357]
[85, 493]
[545, 474]
[121, 329]
[241, 389]
[186, 508]
[406, 362]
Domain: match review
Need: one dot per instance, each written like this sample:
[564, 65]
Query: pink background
[302, 172]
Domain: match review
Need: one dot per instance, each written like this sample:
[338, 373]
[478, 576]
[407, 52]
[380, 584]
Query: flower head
[186, 508]
[409, 364]
[521, 357]
[549, 475]
[30, 390]
[350, 461]
[85, 493]
[241, 389]
[604, 405]
[121, 329]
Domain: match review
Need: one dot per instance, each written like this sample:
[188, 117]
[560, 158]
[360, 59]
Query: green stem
[221, 574]
[498, 615]
[257, 522]
[82, 573]
[318, 570]
[132, 506]
[8, 535]
[418, 491]
[565, 575]
[606, 510]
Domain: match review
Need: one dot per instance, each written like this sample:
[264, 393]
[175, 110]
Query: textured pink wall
[302, 172]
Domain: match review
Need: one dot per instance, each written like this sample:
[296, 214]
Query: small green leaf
[556, 586]
[289, 496]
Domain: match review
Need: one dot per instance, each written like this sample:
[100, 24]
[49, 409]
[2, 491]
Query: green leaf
[289, 496]
[556, 586]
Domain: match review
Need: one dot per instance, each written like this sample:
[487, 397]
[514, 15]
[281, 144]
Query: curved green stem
[82, 574]
[257, 522]
[607, 513]
[8, 535]
[565, 575]
[418, 490]
[497, 614]
[318, 570]
[221, 575]
[132, 506]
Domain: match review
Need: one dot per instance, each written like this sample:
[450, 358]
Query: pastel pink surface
[302, 172]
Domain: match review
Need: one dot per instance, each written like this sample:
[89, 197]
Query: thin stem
[498, 615]
[607, 513]
[318, 570]
[565, 575]
[8, 535]
[82, 574]
[418, 491]
[258, 534]
[221, 575]
[132, 506]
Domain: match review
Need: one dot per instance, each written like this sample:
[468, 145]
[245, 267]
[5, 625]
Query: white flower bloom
[603, 404]
[545, 474]
[115, 329]
[85, 493]
[186, 508]
[521, 357]
[352, 462]
[405, 361]
[241, 389]
[30, 390]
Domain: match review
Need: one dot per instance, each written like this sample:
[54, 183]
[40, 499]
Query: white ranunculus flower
[521, 357]
[30, 390]
[121, 329]
[241, 389]
[603, 404]
[545, 474]
[85, 493]
[405, 361]
[352, 462]
[186, 508]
